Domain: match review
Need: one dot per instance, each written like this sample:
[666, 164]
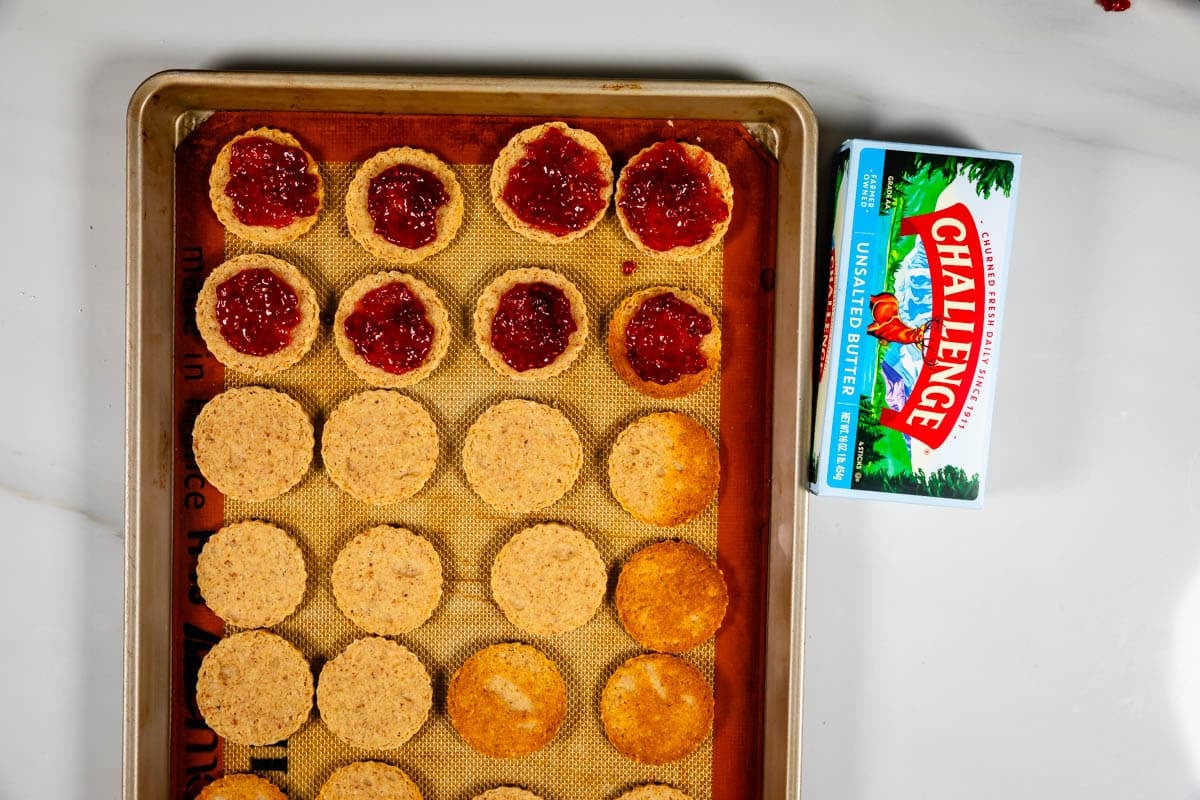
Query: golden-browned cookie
[530, 324]
[404, 205]
[252, 443]
[387, 580]
[671, 597]
[379, 446]
[254, 688]
[265, 187]
[376, 693]
[552, 183]
[654, 791]
[674, 200]
[520, 456]
[507, 793]
[391, 329]
[507, 700]
[369, 780]
[664, 341]
[549, 579]
[257, 314]
[241, 787]
[656, 708]
[664, 468]
[251, 574]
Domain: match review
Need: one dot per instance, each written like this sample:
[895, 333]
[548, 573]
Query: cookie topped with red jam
[530, 324]
[664, 341]
[552, 182]
[265, 187]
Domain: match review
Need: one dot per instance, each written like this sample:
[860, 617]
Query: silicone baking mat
[736, 278]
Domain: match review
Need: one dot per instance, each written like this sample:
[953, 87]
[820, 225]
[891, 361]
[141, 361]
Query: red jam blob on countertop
[389, 329]
[663, 339]
[269, 183]
[532, 326]
[1114, 5]
[669, 200]
[404, 201]
[557, 186]
[257, 311]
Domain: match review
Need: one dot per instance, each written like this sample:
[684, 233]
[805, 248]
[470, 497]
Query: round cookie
[399, 316]
[652, 345]
[252, 443]
[241, 787]
[521, 456]
[654, 791]
[507, 700]
[671, 597]
[418, 242]
[254, 688]
[225, 208]
[379, 446]
[507, 793]
[539, 314]
[549, 579]
[376, 694]
[658, 189]
[656, 708]
[369, 780]
[387, 580]
[251, 574]
[237, 291]
[664, 468]
[566, 207]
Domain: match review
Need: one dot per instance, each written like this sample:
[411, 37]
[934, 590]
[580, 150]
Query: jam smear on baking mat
[404, 202]
[269, 183]
[669, 200]
[557, 186]
[663, 338]
[389, 329]
[627, 267]
[257, 311]
[532, 326]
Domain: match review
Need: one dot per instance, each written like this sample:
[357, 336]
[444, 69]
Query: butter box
[907, 368]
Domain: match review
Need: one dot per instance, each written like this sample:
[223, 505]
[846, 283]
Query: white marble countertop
[1048, 646]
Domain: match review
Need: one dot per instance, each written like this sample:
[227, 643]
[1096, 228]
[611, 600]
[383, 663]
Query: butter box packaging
[907, 369]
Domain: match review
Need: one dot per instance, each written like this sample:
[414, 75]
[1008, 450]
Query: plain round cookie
[489, 303]
[507, 793]
[254, 688]
[671, 597]
[379, 446]
[303, 335]
[549, 579]
[656, 708]
[369, 780]
[521, 456]
[507, 700]
[222, 204]
[514, 151]
[664, 468]
[375, 693]
[654, 791]
[618, 353]
[241, 787]
[387, 580]
[718, 179]
[362, 225]
[252, 443]
[251, 574]
[435, 314]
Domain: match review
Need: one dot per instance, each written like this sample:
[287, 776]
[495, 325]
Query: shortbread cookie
[530, 324]
[521, 456]
[671, 597]
[387, 580]
[654, 792]
[254, 688]
[265, 187]
[376, 694]
[379, 446]
[507, 793]
[369, 780]
[507, 700]
[252, 443]
[664, 341]
[549, 579]
[241, 787]
[251, 574]
[656, 708]
[391, 329]
[404, 205]
[664, 468]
